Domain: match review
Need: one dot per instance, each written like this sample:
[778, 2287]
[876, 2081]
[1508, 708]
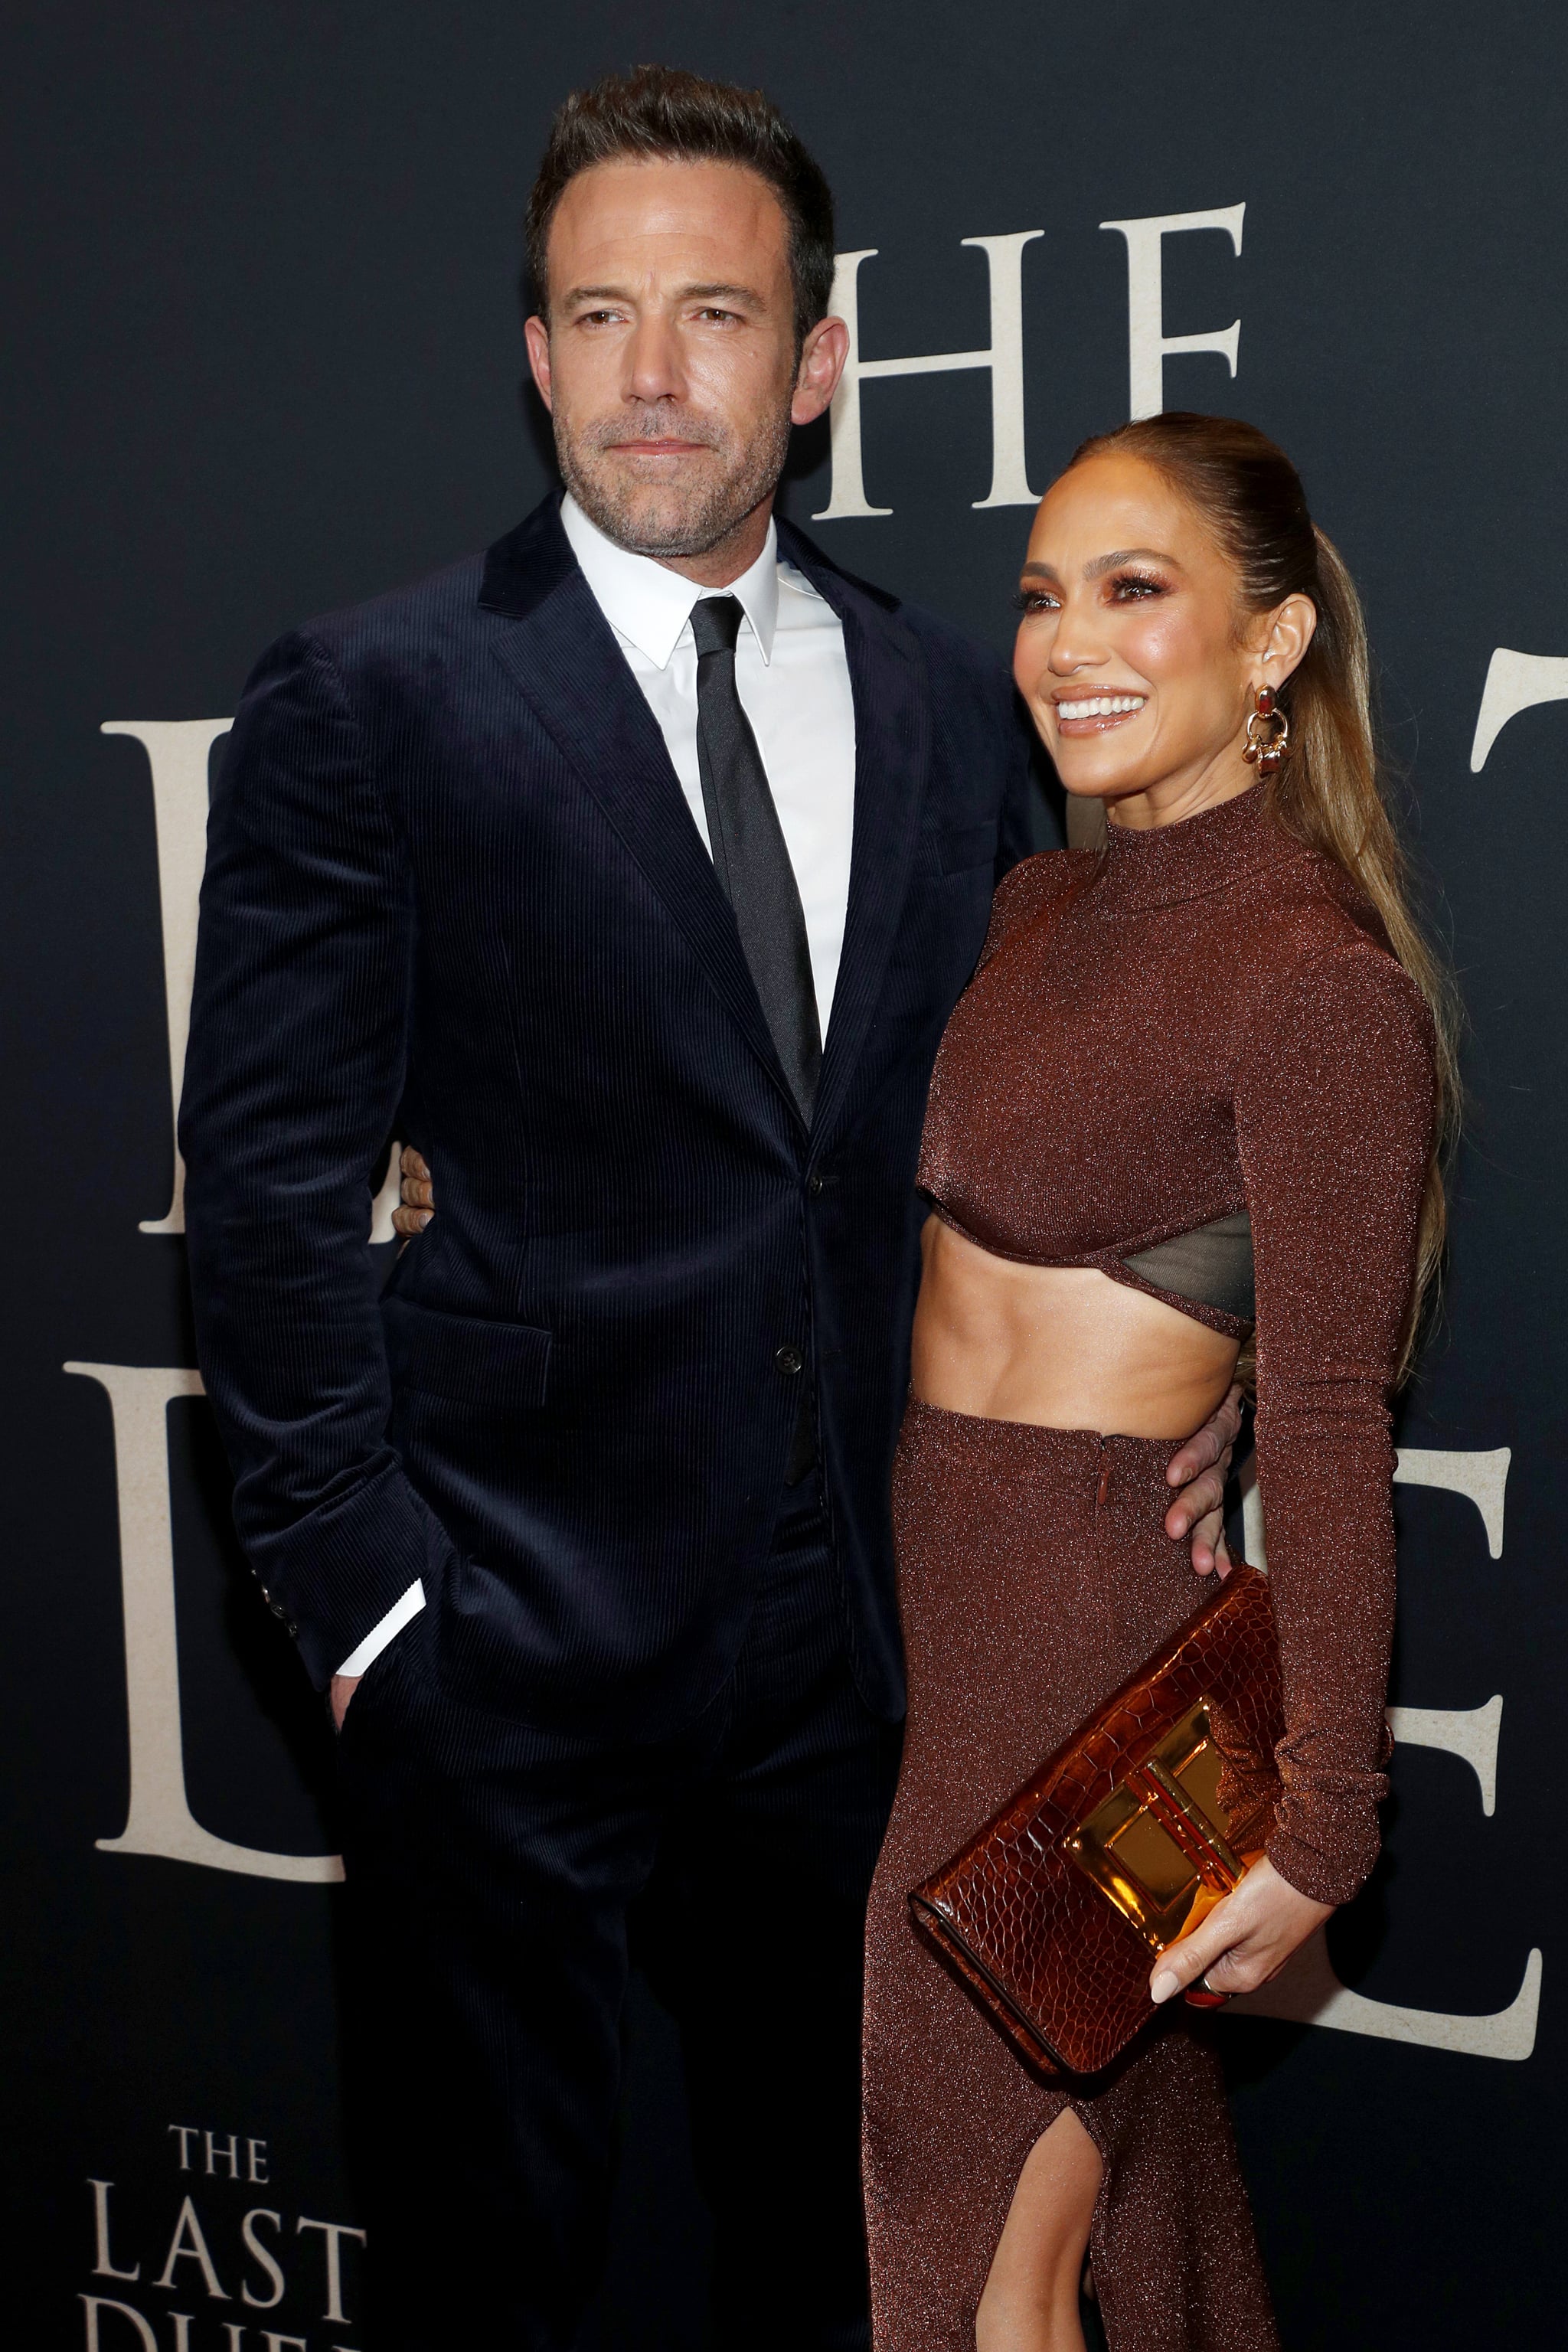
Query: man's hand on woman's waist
[1200, 1469]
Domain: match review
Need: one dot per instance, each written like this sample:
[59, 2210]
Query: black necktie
[749, 853]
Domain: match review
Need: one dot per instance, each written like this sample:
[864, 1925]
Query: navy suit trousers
[500, 1879]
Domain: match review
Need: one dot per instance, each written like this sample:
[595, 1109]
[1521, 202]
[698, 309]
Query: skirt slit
[1034, 1575]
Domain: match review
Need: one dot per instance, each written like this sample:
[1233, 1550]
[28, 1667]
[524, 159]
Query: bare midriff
[1062, 1346]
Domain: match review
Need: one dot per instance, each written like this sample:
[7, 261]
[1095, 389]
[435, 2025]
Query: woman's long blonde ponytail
[1328, 792]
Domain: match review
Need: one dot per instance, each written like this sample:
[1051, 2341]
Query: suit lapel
[561, 654]
[892, 755]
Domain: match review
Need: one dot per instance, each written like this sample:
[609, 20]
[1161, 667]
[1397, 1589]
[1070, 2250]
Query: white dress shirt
[793, 678]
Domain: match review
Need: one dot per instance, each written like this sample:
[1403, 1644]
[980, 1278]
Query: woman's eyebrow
[1104, 564]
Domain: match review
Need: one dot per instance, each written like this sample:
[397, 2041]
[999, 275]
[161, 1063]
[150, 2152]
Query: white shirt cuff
[402, 1612]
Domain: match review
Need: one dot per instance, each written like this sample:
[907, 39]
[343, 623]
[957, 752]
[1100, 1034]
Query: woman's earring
[1268, 745]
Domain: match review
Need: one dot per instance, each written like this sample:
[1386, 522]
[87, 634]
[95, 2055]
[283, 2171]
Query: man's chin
[656, 531]
[681, 512]
[653, 519]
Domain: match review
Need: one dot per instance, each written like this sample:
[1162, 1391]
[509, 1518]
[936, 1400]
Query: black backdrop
[261, 358]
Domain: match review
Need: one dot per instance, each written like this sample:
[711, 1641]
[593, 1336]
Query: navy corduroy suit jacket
[454, 894]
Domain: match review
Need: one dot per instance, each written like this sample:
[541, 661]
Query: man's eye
[721, 318]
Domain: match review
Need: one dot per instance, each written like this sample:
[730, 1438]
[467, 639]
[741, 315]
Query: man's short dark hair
[660, 111]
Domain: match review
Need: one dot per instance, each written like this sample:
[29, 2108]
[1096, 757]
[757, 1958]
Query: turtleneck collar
[1169, 863]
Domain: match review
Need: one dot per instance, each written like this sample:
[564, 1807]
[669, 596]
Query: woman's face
[1133, 656]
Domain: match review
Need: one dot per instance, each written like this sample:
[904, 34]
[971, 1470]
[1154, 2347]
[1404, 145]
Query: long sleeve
[292, 1080]
[1333, 1114]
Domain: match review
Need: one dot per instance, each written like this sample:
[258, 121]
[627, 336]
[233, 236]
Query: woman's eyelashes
[1134, 587]
[1121, 588]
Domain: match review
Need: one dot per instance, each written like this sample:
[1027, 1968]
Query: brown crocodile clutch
[1051, 1915]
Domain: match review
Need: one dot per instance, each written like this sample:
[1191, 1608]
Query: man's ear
[536, 335]
[823, 358]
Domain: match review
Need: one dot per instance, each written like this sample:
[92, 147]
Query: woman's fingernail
[1163, 1986]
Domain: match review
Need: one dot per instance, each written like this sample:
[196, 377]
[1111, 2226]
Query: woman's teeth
[1102, 706]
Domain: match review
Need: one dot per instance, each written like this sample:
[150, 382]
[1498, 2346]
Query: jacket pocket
[468, 1360]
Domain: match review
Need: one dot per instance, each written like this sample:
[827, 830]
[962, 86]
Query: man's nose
[654, 370]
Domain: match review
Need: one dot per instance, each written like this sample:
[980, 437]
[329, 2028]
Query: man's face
[669, 363]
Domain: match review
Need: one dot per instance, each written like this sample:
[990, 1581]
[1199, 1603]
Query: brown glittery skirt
[1035, 1574]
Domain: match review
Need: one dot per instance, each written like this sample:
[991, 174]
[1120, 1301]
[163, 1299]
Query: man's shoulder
[957, 650]
[506, 576]
[431, 603]
[942, 639]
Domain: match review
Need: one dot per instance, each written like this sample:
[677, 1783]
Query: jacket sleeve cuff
[334, 1575]
[386, 1629]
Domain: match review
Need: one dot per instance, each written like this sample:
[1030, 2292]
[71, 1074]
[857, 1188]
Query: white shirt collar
[648, 604]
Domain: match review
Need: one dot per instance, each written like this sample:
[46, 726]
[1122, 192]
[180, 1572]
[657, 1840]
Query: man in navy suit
[630, 872]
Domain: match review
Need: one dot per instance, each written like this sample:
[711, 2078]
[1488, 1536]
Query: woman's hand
[418, 1195]
[1244, 1941]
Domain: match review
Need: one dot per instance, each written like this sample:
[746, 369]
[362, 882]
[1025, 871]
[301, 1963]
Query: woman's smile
[1096, 714]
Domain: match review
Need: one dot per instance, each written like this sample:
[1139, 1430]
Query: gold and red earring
[1268, 745]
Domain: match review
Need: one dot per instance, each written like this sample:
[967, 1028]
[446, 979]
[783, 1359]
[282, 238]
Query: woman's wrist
[1310, 1872]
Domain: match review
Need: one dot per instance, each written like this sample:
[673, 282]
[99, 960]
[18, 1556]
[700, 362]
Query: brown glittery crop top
[1195, 1026]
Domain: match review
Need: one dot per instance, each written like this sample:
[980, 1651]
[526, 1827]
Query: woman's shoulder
[1315, 907]
[1326, 904]
[1320, 947]
[1030, 887]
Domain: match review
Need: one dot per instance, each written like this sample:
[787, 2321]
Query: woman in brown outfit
[1194, 1091]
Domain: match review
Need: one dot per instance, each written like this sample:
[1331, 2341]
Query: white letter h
[1005, 358]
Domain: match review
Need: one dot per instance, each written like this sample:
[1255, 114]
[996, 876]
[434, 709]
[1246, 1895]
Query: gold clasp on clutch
[1160, 1837]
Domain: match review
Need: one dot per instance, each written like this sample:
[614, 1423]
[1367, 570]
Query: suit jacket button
[814, 1184]
[278, 1609]
[789, 1360]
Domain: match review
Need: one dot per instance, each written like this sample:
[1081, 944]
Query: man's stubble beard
[673, 519]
